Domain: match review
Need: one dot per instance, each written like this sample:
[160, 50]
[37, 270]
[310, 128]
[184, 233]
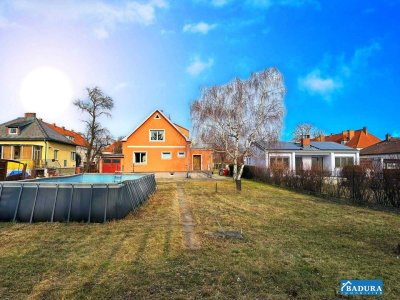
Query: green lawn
[294, 246]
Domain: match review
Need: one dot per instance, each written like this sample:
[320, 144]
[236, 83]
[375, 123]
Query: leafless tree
[96, 105]
[304, 129]
[233, 116]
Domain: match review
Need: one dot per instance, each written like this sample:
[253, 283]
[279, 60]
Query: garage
[111, 163]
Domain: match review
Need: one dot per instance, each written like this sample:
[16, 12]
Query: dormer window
[71, 138]
[13, 130]
[157, 135]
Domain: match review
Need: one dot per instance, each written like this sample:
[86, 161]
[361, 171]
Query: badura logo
[361, 287]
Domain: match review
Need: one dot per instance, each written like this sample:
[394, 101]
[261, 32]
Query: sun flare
[46, 90]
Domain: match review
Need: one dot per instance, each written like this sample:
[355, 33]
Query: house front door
[196, 162]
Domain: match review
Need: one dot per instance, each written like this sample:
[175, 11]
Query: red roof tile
[353, 138]
[72, 135]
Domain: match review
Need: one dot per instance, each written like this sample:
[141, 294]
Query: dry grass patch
[294, 246]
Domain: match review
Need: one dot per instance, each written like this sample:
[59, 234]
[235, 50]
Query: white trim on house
[157, 141]
[143, 163]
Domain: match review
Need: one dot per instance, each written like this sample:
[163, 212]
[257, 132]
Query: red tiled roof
[113, 147]
[74, 136]
[353, 138]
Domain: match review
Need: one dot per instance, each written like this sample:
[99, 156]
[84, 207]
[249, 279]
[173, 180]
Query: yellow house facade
[29, 140]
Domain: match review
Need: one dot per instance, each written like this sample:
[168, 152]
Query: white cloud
[200, 27]
[102, 15]
[314, 83]
[198, 66]
[328, 78]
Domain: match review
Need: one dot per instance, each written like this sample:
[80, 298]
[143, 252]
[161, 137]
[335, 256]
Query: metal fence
[67, 202]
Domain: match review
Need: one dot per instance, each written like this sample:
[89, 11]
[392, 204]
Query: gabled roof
[360, 138]
[391, 146]
[31, 129]
[314, 146]
[168, 120]
[77, 138]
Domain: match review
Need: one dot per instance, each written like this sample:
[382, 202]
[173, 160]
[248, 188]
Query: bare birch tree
[96, 105]
[233, 116]
[304, 129]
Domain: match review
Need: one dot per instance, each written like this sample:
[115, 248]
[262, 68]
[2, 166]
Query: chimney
[365, 130]
[350, 133]
[305, 141]
[388, 137]
[63, 128]
[54, 124]
[320, 138]
[30, 115]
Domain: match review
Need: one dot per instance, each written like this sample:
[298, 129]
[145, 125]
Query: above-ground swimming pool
[81, 198]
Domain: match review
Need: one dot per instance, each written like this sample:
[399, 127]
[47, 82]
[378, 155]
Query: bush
[357, 181]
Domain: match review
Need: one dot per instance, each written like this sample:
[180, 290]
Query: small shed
[110, 163]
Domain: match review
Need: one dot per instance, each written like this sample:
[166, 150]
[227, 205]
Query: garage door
[111, 165]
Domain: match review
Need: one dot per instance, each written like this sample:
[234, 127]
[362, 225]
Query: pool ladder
[117, 176]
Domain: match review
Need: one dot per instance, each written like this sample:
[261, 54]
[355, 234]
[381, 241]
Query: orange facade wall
[140, 141]
[175, 142]
[206, 159]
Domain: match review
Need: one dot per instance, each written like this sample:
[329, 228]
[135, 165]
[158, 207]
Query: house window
[140, 157]
[107, 161]
[181, 154]
[12, 130]
[37, 153]
[1, 151]
[157, 135]
[73, 156]
[55, 154]
[65, 163]
[166, 155]
[317, 163]
[157, 116]
[71, 138]
[17, 152]
[277, 161]
[340, 162]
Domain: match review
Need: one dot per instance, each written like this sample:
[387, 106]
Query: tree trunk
[238, 185]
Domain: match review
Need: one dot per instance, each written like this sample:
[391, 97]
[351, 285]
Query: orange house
[158, 145]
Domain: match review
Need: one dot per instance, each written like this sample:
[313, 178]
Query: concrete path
[187, 220]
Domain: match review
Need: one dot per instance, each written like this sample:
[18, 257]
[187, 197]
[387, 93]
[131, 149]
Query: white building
[305, 155]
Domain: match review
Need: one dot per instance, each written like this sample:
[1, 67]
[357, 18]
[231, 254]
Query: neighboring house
[357, 139]
[32, 141]
[305, 155]
[385, 154]
[159, 145]
[111, 157]
[81, 143]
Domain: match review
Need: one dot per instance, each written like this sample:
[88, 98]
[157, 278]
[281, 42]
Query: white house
[305, 155]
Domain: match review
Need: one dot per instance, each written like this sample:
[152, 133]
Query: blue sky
[339, 58]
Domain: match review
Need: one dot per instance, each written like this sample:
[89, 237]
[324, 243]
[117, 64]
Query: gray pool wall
[73, 202]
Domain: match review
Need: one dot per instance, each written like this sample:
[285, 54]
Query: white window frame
[55, 155]
[181, 154]
[140, 163]
[166, 158]
[73, 156]
[155, 141]
[14, 133]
